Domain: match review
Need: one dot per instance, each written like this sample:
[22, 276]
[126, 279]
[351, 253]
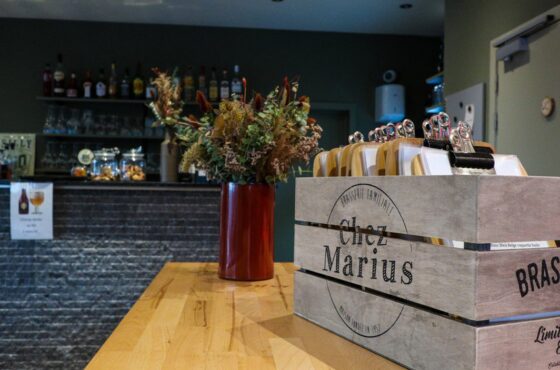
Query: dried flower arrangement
[243, 142]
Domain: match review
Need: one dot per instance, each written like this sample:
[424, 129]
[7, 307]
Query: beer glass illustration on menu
[37, 198]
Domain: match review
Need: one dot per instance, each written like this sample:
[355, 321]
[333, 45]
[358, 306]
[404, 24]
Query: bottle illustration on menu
[23, 203]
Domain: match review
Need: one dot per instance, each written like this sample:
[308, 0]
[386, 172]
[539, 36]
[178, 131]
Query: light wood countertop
[188, 318]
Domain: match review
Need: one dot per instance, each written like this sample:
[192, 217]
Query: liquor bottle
[113, 81]
[58, 76]
[151, 91]
[213, 86]
[101, 86]
[236, 85]
[202, 81]
[47, 80]
[87, 85]
[138, 83]
[72, 90]
[188, 85]
[125, 85]
[23, 204]
[224, 85]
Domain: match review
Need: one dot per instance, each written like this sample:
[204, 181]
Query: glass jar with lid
[133, 165]
[104, 166]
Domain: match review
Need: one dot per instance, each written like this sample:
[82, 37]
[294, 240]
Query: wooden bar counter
[190, 319]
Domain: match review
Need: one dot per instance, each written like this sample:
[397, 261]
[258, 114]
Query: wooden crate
[371, 274]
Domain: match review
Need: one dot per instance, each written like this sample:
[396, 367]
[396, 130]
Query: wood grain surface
[190, 319]
[477, 209]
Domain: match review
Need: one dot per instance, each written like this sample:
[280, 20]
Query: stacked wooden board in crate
[371, 272]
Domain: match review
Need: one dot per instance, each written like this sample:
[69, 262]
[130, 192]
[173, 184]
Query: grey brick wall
[60, 299]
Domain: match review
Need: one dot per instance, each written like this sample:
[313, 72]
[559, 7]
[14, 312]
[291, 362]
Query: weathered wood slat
[421, 339]
[477, 209]
[440, 277]
[517, 282]
[473, 285]
[409, 336]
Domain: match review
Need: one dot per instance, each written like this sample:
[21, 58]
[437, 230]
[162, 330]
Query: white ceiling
[360, 16]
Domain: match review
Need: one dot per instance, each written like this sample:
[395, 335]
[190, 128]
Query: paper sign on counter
[31, 210]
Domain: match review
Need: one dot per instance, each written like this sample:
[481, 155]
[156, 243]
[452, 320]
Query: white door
[523, 83]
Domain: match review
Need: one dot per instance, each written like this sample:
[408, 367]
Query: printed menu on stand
[31, 210]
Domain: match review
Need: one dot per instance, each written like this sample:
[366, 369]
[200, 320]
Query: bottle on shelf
[213, 86]
[151, 91]
[113, 81]
[236, 85]
[125, 85]
[23, 204]
[47, 80]
[188, 85]
[101, 86]
[72, 90]
[87, 85]
[202, 81]
[59, 87]
[224, 85]
[138, 83]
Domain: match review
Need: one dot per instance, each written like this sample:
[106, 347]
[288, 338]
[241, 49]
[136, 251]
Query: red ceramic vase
[247, 232]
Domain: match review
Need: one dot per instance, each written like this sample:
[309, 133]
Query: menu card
[31, 210]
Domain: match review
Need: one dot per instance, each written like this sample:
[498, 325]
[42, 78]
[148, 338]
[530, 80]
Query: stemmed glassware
[60, 126]
[48, 158]
[50, 120]
[73, 124]
[37, 198]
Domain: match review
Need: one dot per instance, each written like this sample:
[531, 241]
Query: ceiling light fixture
[405, 6]
[277, 1]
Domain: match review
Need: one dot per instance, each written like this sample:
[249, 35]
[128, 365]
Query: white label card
[31, 210]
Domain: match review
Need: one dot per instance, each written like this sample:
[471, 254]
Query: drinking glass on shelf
[113, 126]
[37, 198]
[73, 124]
[138, 126]
[100, 125]
[60, 126]
[62, 159]
[74, 156]
[50, 120]
[88, 124]
[125, 129]
[48, 160]
[148, 129]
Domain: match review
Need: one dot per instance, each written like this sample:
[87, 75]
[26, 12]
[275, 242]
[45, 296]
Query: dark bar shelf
[45, 171]
[87, 136]
[91, 100]
[56, 99]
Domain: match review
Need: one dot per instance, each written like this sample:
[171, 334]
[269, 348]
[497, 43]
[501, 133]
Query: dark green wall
[333, 67]
[470, 25]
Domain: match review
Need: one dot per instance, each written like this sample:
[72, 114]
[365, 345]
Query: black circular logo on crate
[367, 207]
